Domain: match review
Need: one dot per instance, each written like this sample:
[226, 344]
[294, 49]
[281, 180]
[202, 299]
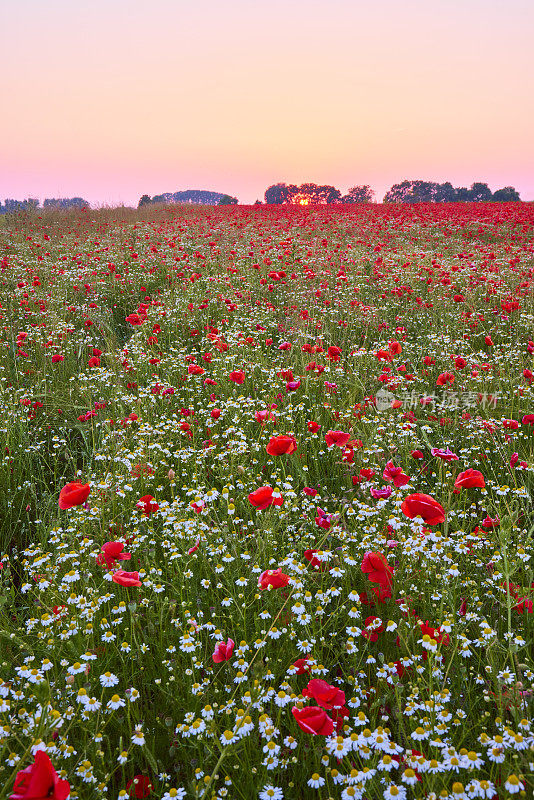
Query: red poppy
[434, 633]
[313, 720]
[302, 665]
[73, 494]
[380, 596]
[338, 438]
[377, 569]
[237, 376]
[469, 479]
[326, 695]
[323, 520]
[126, 578]
[140, 786]
[423, 505]
[111, 553]
[223, 651]
[135, 319]
[40, 781]
[147, 505]
[273, 577]
[280, 445]
[371, 631]
[395, 475]
[263, 498]
[333, 353]
[313, 427]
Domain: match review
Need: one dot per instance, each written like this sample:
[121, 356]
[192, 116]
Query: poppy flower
[323, 520]
[333, 353]
[302, 665]
[223, 651]
[134, 319]
[147, 505]
[510, 424]
[445, 377]
[324, 694]
[338, 438]
[237, 376]
[395, 474]
[40, 781]
[528, 419]
[423, 505]
[194, 548]
[377, 569]
[371, 631]
[126, 578]
[264, 497]
[417, 454]
[273, 577]
[381, 494]
[313, 720]
[469, 479]
[73, 494]
[111, 553]
[434, 633]
[380, 596]
[444, 453]
[315, 562]
[280, 445]
[139, 786]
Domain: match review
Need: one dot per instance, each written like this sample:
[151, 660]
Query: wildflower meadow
[266, 503]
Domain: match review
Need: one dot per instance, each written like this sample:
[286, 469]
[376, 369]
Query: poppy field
[266, 503]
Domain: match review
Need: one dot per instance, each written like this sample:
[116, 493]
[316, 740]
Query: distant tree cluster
[194, 196]
[65, 202]
[313, 194]
[32, 204]
[431, 192]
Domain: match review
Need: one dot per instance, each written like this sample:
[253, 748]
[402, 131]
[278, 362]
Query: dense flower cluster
[266, 508]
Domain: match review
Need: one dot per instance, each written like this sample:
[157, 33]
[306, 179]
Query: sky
[113, 99]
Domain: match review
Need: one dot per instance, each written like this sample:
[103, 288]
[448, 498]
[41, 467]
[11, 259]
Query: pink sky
[111, 99]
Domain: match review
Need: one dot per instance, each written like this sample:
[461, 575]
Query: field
[266, 503]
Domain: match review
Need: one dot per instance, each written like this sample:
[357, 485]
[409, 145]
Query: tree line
[32, 204]
[417, 191]
[195, 196]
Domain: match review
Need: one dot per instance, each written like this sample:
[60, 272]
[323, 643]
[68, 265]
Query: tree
[144, 201]
[412, 192]
[328, 194]
[359, 194]
[445, 193]
[506, 195]
[463, 194]
[280, 193]
[227, 200]
[480, 193]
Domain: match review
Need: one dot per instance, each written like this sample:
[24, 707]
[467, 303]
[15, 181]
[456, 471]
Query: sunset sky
[110, 99]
